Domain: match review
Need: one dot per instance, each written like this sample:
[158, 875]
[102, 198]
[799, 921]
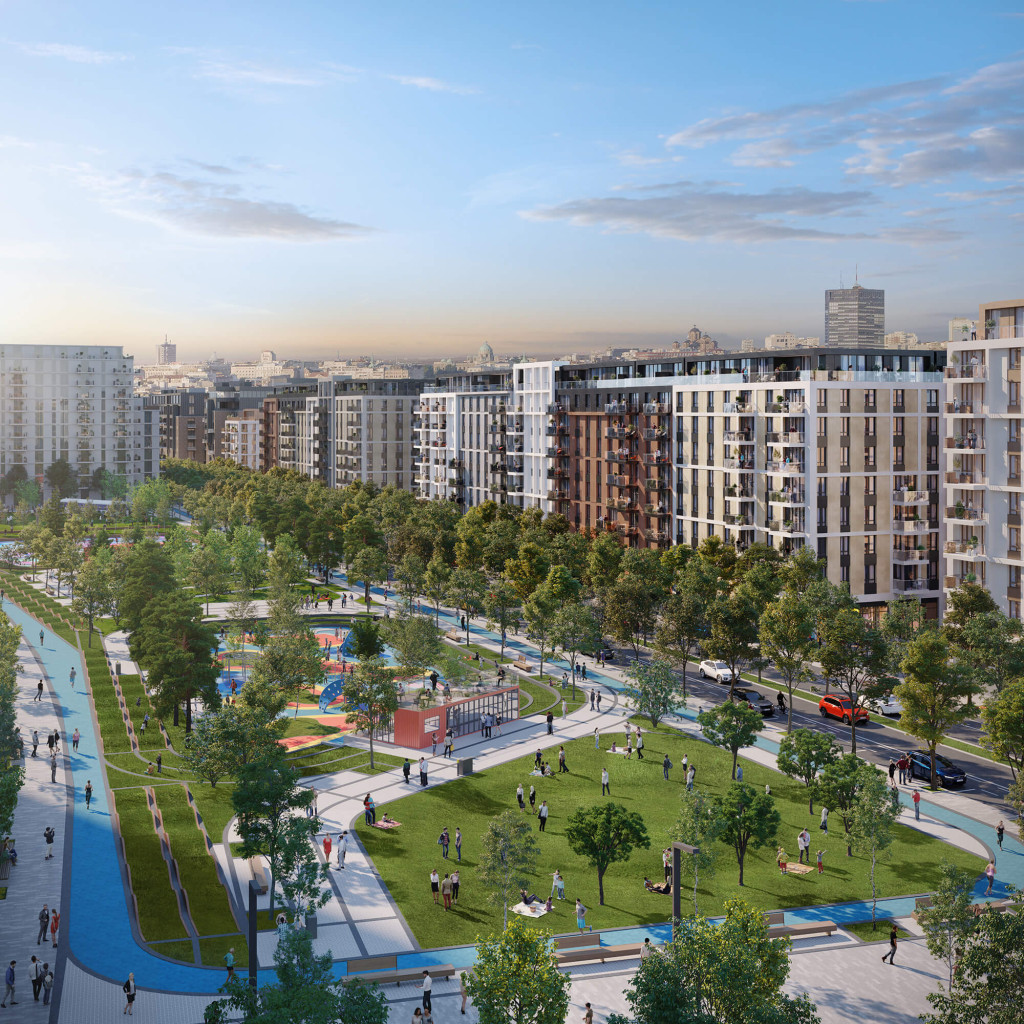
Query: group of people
[803, 843]
[447, 888]
[444, 841]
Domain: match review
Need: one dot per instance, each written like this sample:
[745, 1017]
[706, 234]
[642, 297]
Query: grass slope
[406, 855]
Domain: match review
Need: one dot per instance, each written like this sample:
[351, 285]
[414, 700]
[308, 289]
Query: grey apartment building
[855, 317]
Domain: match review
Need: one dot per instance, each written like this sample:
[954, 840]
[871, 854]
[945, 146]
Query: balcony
[514, 428]
[656, 459]
[618, 481]
[658, 536]
[968, 477]
[620, 409]
[516, 468]
[963, 549]
[656, 510]
[907, 555]
[618, 433]
[558, 495]
[965, 514]
[968, 372]
[744, 465]
[909, 586]
[788, 497]
[954, 581]
[652, 484]
[622, 455]
[906, 497]
[496, 449]
[555, 409]
[738, 519]
[909, 526]
[737, 437]
[743, 408]
[786, 468]
[657, 409]
[654, 434]
[557, 471]
[554, 429]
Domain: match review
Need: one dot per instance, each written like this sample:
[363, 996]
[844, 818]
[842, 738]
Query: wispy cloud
[692, 211]
[432, 84]
[75, 54]
[205, 206]
[249, 73]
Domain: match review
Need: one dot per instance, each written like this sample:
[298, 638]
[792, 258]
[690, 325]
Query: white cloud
[75, 54]
[248, 73]
[432, 84]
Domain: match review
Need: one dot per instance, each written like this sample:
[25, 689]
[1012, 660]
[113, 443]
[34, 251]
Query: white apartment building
[242, 438]
[73, 402]
[982, 449]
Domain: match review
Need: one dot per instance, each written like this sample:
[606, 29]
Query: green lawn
[862, 929]
[406, 855]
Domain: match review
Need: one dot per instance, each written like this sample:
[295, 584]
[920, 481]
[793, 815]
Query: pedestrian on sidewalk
[892, 771]
[159, 764]
[71, 676]
[605, 788]
[584, 671]
[917, 805]
[406, 770]
[435, 883]
[42, 638]
[891, 955]
[229, 963]
[427, 985]
[448, 745]
[519, 797]
[665, 765]
[990, 874]
[48, 836]
[551, 723]
[999, 833]
[54, 926]
[35, 741]
[39, 692]
[598, 700]
[562, 769]
[51, 741]
[901, 766]
[423, 771]
[327, 849]
[565, 708]
[433, 743]
[458, 843]
[44, 924]
[75, 737]
[47, 984]
[591, 700]
[342, 850]
[9, 985]
[542, 816]
[129, 991]
[36, 977]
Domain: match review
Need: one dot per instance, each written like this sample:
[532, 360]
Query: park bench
[521, 663]
[259, 874]
[452, 635]
[384, 970]
[993, 906]
[921, 903]
[575, 949]
[577, 941]
[778, 929]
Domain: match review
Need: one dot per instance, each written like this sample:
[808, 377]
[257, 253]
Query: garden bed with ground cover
[862, 929]
[406, 855]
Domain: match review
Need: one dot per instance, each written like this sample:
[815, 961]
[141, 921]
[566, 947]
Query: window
[844, 517]
[822, 400]
[870, 484]
[898, 425]
[844, 457]
[844, 486]
[822, 487]
[822, 517]
[844, 574]
[869, 517]
[932, 398]
[870, 426]
[844, 398]
[933, 424]
[869, 398]
[869, 545]
[869, 458]
[822, 426]
[898, 398]
[869, 573]
[821, 460]
[844, 546]
[844, 426]
[897, 455]
[933, 454]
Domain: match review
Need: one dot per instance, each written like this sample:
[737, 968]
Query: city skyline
[412, 183]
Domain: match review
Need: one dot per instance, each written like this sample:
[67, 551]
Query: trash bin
[311, 925]
[465, 766]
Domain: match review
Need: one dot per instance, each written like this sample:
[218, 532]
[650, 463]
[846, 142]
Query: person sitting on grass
[528, 898]
[613, 749]
[548, 906]
[546, 769]
[386, 819]
[664, 888]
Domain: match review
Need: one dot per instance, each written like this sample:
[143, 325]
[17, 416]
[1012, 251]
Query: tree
[932, 693]
[148, 573]
[684, 615]
[249, 557]
[655, 691]
[206, 756]
[62, 478]
[415, 641]
[28, 493]
[501, 606]
[92, 588]
[852, 655]
[539, 611]
[718, 974]
[209, 568]
[364, 640]
[112, 486]
[873, 827]
[516, 978]
[410, 576]
[368, 567]
[699, 826]
[574, 629]
[733, 632]
[747, 820]
[1003, 717]
[605, 835]
[265, 801]
[630, 611]
[292, 661]
[370, 697]
[508, 857]
[904, 618]
[12, 775]
[948, 923]
[466, 589]
[991, 645]
[305, 992]
[803, 753]
[436, 581]
[786, 634]
[732, 726]
[987, 983]
[528, 569]
[836, 787]
[964, 603]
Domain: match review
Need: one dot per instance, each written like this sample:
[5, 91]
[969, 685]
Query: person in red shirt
[917, 804]
[327, 848]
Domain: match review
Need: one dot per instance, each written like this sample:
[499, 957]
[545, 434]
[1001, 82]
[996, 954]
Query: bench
[993, 906]
[521, 663]
[259, 874]
[453, 636]
[921, 903]
[589, 948]
[384, 970]
[778, 929]
[577, 941]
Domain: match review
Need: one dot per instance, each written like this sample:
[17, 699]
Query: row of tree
[12, 774]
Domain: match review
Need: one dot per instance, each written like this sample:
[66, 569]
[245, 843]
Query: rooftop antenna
[840, 279]
[856, 274]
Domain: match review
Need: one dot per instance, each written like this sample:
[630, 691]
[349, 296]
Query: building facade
[982, 449]
[854, 317]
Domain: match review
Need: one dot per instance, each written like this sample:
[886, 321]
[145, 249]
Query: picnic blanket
[621, 750]
[798, 868]
[386, 824]
[533, 910]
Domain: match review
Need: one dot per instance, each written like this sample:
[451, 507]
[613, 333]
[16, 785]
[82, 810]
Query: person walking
[433, 743]
[824, 820]
[1000, 829]
[435, 883]
[565, 708]
[71, 677]
[41, 638]
[327, 849]
[48, 837]
[588, 1016]
[542, 816]
[406, 770]
[639, 745]
[605, 787]
[455, 888]
[561, 761]
[342, 850]
[446, 892]
[821, 864]
[901, 766]
[423, 771]
[75, 737]
[458, 844]
[229, 963]
[891, 955]
[598, 700]
[447, 744]
[9, 985]
[597, 738]
[892, 771]
[689, 779]
[39, 692]
[129, 992]
[53, 767]
[519, 797]
[554, 881]
[159, 764]
[591, 700]
[54, 925]
[990, 874]
[647, 949]
[427, 985]
[444, 841]
[35, 741]
[44, 924]
[463, 991]
[665, 765]
[36, 977]
[581, 916]
[551, 723]
[47, 984]
[917, 805]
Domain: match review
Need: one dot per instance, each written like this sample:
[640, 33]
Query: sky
[411, 179]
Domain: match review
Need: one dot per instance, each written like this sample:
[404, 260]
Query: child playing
[781, 857]
[821, 866]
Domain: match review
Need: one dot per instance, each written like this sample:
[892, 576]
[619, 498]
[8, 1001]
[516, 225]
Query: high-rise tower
[855, 317]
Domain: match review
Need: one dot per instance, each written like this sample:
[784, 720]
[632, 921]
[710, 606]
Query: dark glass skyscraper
[855, 317]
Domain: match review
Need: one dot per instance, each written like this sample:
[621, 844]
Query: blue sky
[415, 178]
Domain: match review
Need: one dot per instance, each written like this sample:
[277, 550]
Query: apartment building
[982, 449]
[279, 415]
[242, 438]
[72, 402]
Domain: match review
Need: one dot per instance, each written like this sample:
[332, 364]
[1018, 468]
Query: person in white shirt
[803, 842]
[342, 849]
[426, 985]
[605, 788]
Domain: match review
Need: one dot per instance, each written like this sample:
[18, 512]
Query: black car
[607, 654]
[948, 773]
[755, 700]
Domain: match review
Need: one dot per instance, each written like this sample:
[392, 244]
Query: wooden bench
[575, 949]
[453, 636]
[921, 903]
[259, 875]
[993, 906]
[384, 970]
[577, 941]
[778, 929]
[521, 663]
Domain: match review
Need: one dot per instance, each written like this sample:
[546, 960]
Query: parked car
[887, 705]
[717, 670]
[834, 705]
[948, 773]
[755, 700]
[607, 654]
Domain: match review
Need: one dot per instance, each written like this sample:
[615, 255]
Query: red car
[836, 706]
